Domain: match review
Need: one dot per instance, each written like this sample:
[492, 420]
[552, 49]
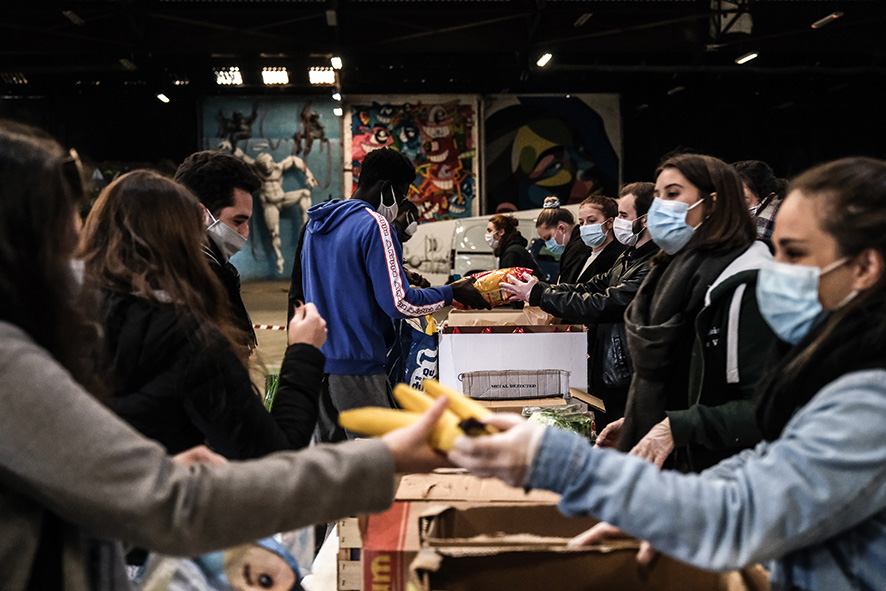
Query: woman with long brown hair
[180, 373]
[74, 478]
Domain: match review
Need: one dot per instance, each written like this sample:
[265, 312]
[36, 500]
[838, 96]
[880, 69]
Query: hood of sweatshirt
[325, 217]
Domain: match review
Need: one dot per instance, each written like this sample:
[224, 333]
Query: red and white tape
[267, 327]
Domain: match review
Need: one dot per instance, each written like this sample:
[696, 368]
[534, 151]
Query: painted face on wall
[546, 162]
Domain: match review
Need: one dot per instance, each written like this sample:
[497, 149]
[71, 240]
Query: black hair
[760, 179]
[385, 164]
[644, 194]
[212, 176]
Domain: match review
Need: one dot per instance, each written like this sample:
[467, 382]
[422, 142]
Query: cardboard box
[463, 352]
[515, 383]
[583, 399]
[512, 547]
[528, 316]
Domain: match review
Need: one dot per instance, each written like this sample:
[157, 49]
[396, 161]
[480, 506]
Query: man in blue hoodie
[352, 271]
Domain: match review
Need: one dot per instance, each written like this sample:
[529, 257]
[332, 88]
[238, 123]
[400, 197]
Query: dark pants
[342, 392]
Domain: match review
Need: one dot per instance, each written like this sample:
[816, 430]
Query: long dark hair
[40, 190]
[850, 199]
[144, 236]
[509, 224]
[727, 225]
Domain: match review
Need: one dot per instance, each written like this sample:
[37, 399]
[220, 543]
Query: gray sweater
[62, 451]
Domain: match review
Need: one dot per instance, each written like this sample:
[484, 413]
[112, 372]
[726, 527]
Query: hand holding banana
[462, 417]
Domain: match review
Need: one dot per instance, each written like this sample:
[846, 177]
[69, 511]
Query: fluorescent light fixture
[163, 98]
[127, 64]
[272, 76]
[675, 90]
[746, 57]
[73, 17]
[336, 96]
[338, 111]
[826, 20]
[580, 21]
[321, 76]
[543, 60]
[331, 18]
[17, 78]
[228, 76]
[336, 62]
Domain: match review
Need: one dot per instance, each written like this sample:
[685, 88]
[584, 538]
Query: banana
[375, 421]
[418, 401]
[466, 408]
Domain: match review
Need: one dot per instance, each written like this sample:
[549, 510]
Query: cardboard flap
[457, 485]
[588, 399]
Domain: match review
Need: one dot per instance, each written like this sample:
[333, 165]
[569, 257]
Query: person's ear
[868, 269]
[714, 197]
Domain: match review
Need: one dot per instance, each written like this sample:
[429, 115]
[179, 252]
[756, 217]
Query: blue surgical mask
[554, 246]
[592, 235]
[666, 222]
[787, 296]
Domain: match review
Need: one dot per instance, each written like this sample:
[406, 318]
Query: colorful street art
[536, 146]
[439, 136]
[294, 146]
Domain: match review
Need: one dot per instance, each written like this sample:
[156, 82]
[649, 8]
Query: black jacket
[513, 253]
[183, 389]
[573, 258]
[230, 280]
[602, 263]
[600, 303]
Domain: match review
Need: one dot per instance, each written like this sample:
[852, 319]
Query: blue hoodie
[352, 272]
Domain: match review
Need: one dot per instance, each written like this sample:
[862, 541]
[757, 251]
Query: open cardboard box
[512, 547]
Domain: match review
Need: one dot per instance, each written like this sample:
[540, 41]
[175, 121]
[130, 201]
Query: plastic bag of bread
[487, 283]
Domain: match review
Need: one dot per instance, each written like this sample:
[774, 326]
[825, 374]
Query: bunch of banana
[461, 418]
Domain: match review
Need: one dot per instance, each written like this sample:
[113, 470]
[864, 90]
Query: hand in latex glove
[410, 447]
[505, 455]
[464, 292]
[604, 531]
[199, 455]
[307, 326]
[656, 445]
[610, 434]
[518, 290]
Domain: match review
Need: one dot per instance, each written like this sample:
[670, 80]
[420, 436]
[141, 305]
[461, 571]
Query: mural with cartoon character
[438, 134]
[536, 146]
[294, 146]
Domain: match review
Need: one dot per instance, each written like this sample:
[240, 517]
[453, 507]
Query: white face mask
[624, 231]
[226, 238]
[412, 228]
[389, 212]
[491, 240]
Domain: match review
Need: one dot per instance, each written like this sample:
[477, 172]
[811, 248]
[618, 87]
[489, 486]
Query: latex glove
[410, 447]
[518, 290]
[656, 445]
[307, 326]
[610, 434]
[604, 531]
[464, 292]
[199, 455]
[506, 455]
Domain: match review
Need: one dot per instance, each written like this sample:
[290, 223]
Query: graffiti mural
[294, 146]
[536, 146]
[439, 136]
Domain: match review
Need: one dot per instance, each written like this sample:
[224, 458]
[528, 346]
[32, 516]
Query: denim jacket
[812, 503]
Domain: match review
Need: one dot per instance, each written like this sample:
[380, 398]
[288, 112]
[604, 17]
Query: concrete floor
[266, 302]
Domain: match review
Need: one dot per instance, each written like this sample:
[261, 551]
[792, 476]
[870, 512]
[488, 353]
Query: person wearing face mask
[596, 216]
[694, 329]
[764, 193]
[600, 302]
[810, 500]
[224, 186]
[508, 244]
[557, 228]
[351, 269]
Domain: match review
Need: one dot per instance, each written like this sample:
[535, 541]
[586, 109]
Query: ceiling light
[127, 64]
[331, 18]
[336, 96]
[74, 17]
[17, 78]
[675, 90]
[543, 60]
[275, 76]
[337, 111]
[336, 62]
[163, 98]
[181, 81]
[321, 76]
[228, 76]
[580, 21]
[826, 20]
[746, 58]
